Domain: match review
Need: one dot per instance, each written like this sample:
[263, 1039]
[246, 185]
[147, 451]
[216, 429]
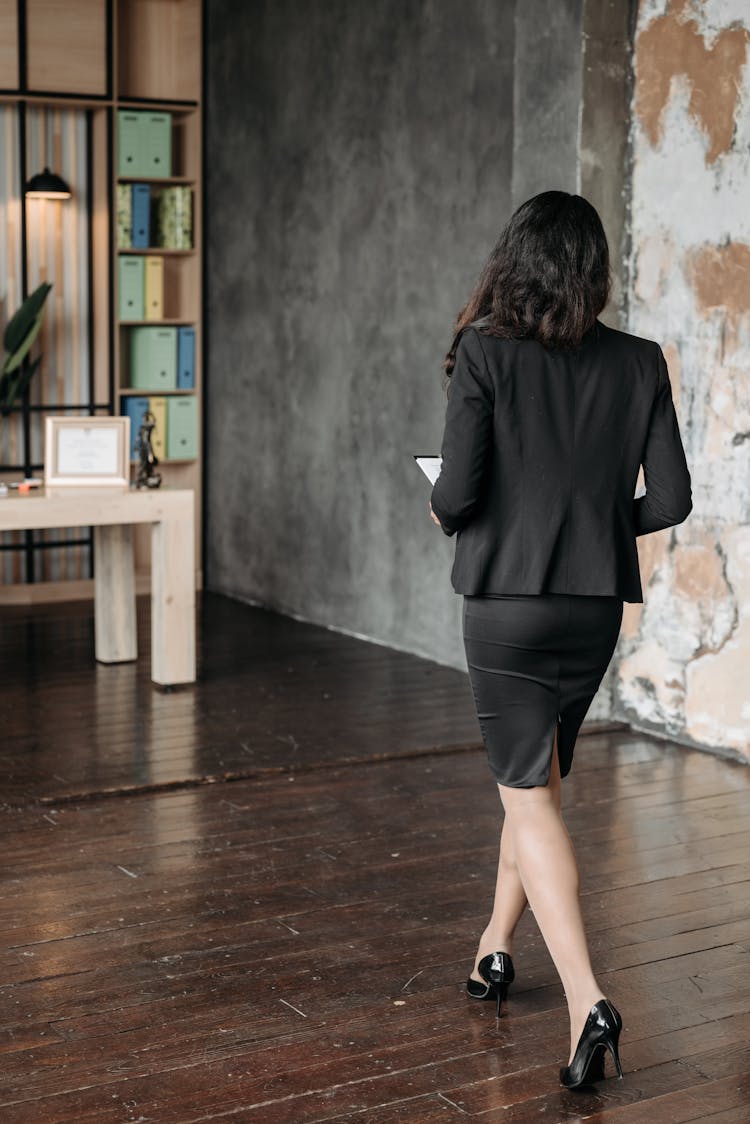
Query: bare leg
[510, 896]
[547, 866]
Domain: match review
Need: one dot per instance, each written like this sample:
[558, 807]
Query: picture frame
[87, 452]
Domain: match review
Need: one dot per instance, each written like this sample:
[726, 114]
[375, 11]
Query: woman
[550, 415]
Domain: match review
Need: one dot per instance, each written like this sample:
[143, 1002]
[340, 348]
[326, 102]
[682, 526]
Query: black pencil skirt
[535, 663]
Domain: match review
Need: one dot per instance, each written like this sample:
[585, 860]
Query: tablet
[430, 466]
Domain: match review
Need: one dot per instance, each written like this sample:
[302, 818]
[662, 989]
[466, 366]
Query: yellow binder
[154, 286]
[158, 407]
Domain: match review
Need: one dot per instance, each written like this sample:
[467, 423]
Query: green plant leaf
[13, 388]
[23, 321]
[16, 358]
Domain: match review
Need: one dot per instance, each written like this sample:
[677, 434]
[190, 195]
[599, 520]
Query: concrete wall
[546, 97]
[683, 657]
[604, 141]
[362, 159]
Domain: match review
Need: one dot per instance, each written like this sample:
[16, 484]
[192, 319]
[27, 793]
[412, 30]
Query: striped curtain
[57, 251]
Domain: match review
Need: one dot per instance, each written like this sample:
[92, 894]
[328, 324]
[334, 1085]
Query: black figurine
[147, 477]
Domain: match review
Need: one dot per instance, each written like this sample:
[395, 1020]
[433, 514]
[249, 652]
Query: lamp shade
[47, 185]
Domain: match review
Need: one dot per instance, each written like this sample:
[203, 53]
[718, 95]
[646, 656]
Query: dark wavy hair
[548, 277]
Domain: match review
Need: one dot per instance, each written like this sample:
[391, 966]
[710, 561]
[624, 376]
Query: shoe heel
[615, 1052]
[502, 991]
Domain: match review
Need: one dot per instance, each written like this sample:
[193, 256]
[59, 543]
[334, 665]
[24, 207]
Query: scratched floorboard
[292, 946]
[273, 694]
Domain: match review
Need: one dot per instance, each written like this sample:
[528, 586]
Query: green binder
[174, 222]
[130, 287]
[144, 144]
[157, 145]
[124, 216]
[153, 358]
[182, 427]
[130, 147]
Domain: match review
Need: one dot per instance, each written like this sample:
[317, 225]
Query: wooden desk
[112, 515]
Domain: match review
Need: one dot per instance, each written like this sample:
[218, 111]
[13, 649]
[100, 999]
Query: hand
[434, 517]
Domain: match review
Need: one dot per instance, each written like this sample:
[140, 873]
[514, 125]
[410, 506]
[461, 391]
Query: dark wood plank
[729, 1095]
[292, 945]
[274, 694]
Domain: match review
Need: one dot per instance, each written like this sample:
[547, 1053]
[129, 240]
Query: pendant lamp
[47, 185]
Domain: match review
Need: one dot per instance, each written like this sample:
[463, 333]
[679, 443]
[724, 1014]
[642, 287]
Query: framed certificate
[89, 452]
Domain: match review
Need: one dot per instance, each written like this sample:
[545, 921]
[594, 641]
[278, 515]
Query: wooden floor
[258, 899]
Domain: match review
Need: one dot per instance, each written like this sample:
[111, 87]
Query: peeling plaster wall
[681, 666]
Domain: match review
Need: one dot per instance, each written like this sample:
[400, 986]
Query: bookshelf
[115, 65]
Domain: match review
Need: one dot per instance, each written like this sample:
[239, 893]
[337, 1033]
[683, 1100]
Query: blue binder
[141, 216]
[186, 359]
[135, 408]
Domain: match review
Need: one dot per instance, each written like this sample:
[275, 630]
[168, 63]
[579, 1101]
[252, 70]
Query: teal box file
[144, 144]
[130, 287]
[130, 143]
[185, 358]
[134, 408]
[182, 427]
[153, 358]
[157, 150]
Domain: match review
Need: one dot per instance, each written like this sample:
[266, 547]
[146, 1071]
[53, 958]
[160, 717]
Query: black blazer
[541, 453]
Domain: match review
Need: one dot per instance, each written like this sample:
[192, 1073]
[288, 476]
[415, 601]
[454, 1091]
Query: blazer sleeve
[467, 437]
[668, 499]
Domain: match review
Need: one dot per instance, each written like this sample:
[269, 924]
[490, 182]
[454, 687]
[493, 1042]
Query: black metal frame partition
[21, 99]
[31, 543]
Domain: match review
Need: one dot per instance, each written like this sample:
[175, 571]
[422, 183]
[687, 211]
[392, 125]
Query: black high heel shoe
[601, 1032]
[497, 971]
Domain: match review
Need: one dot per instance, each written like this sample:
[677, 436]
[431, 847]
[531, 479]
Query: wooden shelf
[66, 47]
[57, 99]
[167, 462]
[167, 63]
[158, 103]
[166, 181]
[139, 392]
[178, 322]
[157, 66]
[8, 44]
[156, 251]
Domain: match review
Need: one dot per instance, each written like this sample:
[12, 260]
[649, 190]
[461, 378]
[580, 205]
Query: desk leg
[114, 592]
[173, 598]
